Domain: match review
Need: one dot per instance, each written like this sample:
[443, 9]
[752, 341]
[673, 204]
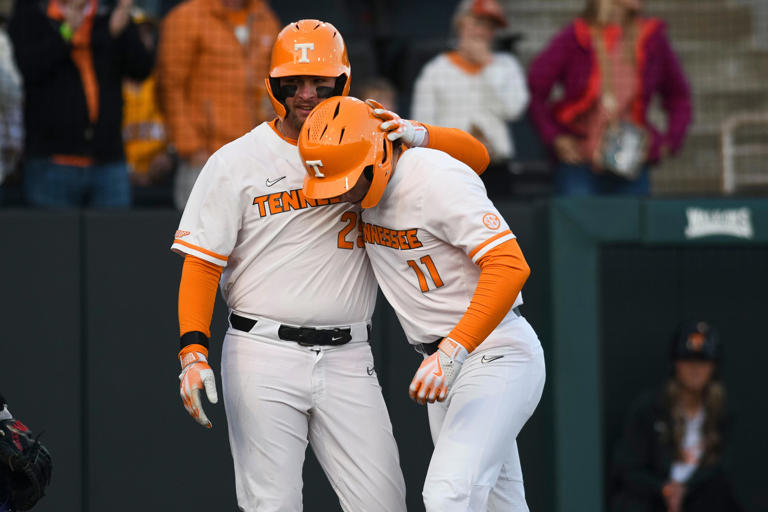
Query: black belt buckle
[309, 336]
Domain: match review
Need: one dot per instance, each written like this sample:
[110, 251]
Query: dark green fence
[89, 340]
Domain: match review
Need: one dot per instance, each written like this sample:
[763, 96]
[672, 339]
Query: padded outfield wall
[89, 341]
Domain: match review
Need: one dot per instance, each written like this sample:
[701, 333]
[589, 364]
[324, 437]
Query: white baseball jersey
[424, 238]
[247, 211]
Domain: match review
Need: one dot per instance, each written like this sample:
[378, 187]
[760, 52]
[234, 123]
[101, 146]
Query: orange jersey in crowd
[144, 132]
[211, 67]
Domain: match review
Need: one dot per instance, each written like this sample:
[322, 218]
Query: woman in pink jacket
[610, 62]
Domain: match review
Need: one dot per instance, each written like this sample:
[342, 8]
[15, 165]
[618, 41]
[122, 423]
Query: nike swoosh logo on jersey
[486, 359]
[271, 181]
[370, 369]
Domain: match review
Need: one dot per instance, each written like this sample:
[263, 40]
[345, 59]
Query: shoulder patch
[491, 221]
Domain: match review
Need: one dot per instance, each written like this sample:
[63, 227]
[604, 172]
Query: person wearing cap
[475, 89]
[671, 455]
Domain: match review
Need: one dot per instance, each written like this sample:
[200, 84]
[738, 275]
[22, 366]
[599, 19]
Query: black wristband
[193, 338]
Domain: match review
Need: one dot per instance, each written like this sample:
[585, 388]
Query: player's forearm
[502, 276]
[460, 145]
[197, 295]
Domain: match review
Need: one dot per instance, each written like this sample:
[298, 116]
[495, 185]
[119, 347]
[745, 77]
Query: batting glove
[195, 375]
[436, 374]
[408, 132]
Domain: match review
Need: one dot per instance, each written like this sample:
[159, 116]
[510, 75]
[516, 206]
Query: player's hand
[408, 132]
[195, 375]
[436, 374]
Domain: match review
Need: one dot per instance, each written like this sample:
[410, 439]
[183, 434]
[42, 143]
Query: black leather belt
[305, 336]
[431, 348]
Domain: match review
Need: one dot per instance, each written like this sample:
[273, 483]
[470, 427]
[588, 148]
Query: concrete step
[720, 67]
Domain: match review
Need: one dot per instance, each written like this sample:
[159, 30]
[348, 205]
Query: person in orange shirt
[212, 59]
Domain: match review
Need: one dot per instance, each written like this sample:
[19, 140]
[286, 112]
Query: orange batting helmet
[307, 48]
[341, 140]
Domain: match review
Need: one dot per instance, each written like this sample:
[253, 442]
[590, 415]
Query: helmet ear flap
[381, 172]
[273, 86]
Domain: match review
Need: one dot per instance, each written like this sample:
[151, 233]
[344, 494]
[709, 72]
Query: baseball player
[452, 269]
[296, 363]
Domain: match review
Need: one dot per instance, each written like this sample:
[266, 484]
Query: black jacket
[55, 109]
[643, 459]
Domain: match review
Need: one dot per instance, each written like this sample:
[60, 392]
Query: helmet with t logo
[307, 48]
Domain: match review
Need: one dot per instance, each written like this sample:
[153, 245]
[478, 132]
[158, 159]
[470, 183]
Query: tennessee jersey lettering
[286, 201]
[394, 238]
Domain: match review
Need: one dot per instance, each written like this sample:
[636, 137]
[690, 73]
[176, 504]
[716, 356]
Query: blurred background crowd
[114, 103]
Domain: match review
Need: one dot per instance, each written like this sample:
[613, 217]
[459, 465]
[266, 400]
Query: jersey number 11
[433, 273]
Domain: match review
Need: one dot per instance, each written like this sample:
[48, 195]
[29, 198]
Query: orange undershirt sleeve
[503, 272]
[197, 294]
[460, 145]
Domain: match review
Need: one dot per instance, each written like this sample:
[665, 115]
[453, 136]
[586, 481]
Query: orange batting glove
[436, 374]
[195, 375]
[408, 132]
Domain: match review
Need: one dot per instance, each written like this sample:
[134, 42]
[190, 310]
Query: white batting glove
[408, 132]
[436, 374]
[195, 375]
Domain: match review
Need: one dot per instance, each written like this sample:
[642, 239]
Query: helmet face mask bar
[307, 48]
[339, 142]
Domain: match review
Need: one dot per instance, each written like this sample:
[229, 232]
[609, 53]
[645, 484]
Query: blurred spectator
[671, 455]
[475, 89]
[150, 160]
[11, 122]
[379, 89]
[213, 57]
[610, 63]
[73, 55]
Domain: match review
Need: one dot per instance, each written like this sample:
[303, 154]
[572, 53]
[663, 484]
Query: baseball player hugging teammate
[300, 292]
[453, 271]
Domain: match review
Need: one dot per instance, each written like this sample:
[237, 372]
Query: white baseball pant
[475, 466]
[279, 395]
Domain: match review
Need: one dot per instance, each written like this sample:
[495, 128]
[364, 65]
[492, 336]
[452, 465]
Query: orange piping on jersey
[273, 124]
[197, 294]
[204, 251]
[492, 239]
[460, 145]
[503, 272]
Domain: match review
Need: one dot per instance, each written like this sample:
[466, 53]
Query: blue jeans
[580, 180]
[51, 185]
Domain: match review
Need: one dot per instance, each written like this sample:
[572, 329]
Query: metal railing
[734, 177]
